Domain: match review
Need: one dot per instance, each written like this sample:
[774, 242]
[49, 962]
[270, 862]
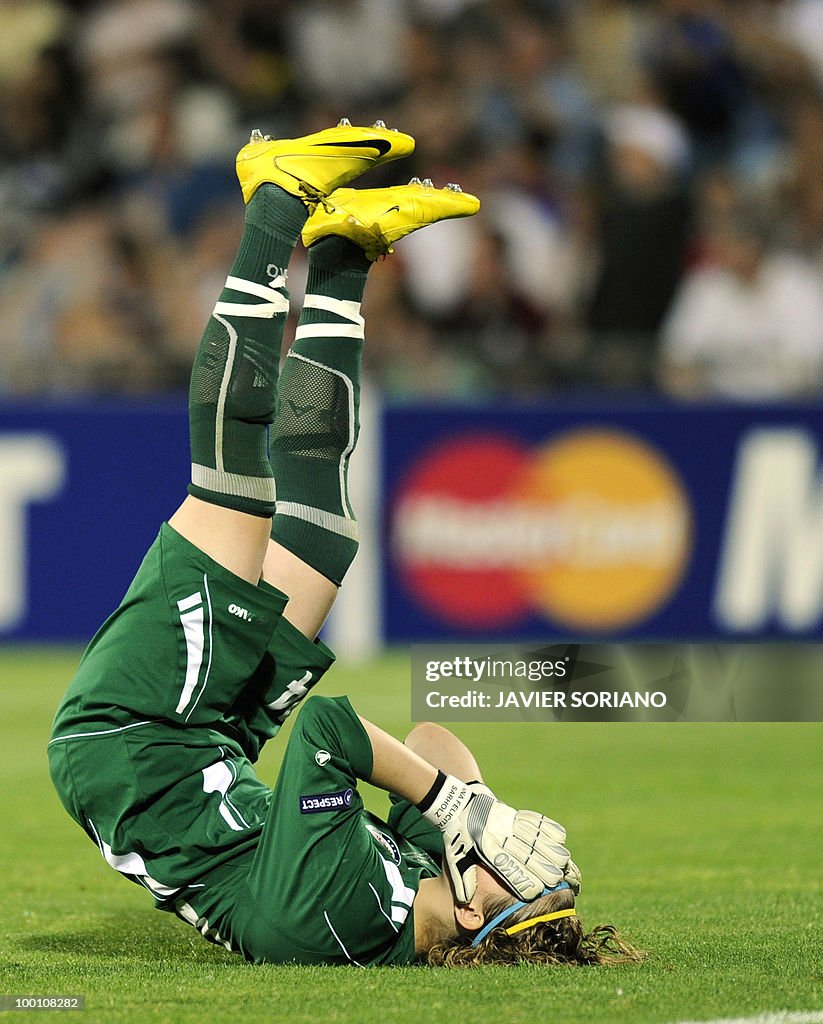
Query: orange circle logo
[591, 530]
[612, 529]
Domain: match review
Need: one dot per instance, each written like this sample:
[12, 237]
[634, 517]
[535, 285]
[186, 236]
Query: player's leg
[232, 397]
[315, 532]
[314, 542]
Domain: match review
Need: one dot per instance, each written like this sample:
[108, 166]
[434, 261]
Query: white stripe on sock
[276, 301]
[329, 331]
[261, 488]
[262, 291]
[224, 390]
[342, 307]
[260, 310]
[319, 517]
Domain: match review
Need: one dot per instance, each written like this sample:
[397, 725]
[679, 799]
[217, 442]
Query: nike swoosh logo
[300, 410]
[391, 209]
[381, 145]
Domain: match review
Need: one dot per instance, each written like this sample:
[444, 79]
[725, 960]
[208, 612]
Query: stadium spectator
[607, 42]
[690, 57]
[128, 110]
[349, 52]
[747, 326]
[643, 215]
[243, 47]
[28, 28]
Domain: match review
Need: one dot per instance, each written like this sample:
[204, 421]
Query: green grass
[703, 843]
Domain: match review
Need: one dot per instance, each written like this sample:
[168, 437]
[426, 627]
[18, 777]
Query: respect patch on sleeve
[323, 802]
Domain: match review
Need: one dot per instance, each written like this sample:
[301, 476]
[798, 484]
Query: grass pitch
[703, 843]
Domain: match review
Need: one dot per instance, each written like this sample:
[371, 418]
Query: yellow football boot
[315, 165]
[376, 218]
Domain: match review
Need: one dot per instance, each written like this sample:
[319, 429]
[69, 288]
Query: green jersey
[346, 881]
[152, 754]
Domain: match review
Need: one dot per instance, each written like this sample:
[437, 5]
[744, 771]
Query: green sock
[317, 423]
[232, 397]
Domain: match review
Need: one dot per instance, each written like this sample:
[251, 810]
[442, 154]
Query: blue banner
[583, 520]
[83, 490]
[574, 521]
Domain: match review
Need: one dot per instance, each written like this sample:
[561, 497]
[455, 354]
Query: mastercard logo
[591, 529]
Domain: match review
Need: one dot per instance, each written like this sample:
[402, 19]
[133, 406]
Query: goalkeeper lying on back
[215, 642]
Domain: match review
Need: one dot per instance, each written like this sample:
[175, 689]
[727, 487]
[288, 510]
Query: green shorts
[153, 744]
[192, 644]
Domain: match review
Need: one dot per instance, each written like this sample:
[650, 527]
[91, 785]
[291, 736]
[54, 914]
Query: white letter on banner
[772, 560]
[32, 468]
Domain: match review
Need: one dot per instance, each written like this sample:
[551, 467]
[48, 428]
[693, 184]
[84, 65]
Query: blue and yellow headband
[504, 914]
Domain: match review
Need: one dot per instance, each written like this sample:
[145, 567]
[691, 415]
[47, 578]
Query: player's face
[489, 886]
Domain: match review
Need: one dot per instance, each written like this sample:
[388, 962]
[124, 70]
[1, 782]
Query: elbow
[423, 733]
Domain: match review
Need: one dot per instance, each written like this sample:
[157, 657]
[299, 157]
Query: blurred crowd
[651, 174]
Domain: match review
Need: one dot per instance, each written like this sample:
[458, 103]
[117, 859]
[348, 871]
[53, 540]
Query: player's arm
[397, 768]
[524, 848]
[444, 750]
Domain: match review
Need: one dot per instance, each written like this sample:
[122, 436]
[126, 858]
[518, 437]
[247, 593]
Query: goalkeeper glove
[523, 848]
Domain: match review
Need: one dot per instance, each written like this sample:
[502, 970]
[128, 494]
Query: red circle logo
[591, 529]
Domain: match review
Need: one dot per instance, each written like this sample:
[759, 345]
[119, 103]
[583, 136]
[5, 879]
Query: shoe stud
[427, 183]
[257, 136]
[344, 122]
[415, 181]
[379, 124]
[453, 187]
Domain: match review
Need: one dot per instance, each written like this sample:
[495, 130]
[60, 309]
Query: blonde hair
[561, 941]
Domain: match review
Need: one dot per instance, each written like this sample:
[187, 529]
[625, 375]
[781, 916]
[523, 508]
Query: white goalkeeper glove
[523, 848]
